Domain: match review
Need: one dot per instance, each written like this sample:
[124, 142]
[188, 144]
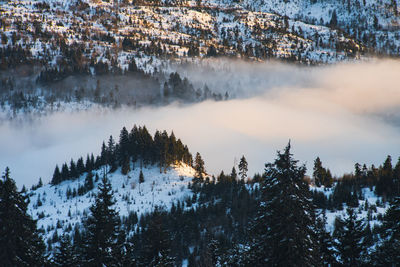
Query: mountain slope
[58, 33]
[57, 209]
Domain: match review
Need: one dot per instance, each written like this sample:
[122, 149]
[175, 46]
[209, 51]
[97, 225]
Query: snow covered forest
[145, 201]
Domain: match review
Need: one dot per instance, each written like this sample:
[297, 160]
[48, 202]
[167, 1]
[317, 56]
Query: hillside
[59, 207]
[83, 32]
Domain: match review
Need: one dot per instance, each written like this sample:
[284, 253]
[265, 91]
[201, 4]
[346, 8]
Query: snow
[158, 189]
[177, 26]
[369, 196]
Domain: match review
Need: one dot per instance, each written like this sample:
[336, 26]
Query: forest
[24, 90]
[277, 218]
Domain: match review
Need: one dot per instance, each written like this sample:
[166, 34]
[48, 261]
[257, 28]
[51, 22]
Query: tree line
[383, 180]
[136, 148]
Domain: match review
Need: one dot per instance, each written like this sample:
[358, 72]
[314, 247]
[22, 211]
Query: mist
[344, 114]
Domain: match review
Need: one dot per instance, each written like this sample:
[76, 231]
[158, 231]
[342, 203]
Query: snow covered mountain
[153, 32]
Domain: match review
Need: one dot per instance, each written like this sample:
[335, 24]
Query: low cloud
[345, 114]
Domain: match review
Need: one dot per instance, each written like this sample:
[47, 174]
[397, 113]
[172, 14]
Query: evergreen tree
[333, 23]
[73, 172]
[88, 164]
[388, 252]
[20, 244]
[64, 172]
[89, 181]
[172, 150]
[199, 166]
[110, 154]
[325, 241]
[102, 227]
[321, 175]
[40, 183]
[123, 153]
[64, 255]
[318, 174]
[125, 166]
[285, 226]
[145, 145]
[80, 166]
[233, 174]
[141, 177]
[385, 185]
[157, 242]
[158, 150]
[133, 144]
[349, 235]
[357, 170]
[243, 168]
[103, 154]
[56, 176]
[396, 178]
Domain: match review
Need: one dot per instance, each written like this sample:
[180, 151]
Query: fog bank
[344, 114]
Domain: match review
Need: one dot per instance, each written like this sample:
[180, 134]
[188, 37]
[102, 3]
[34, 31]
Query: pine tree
[146, 145]
[80, 166]
[284, 229]
[388, 252]
[141, 177]
[64, 255]
[64, 172]
[73, 172]
[123, 153]
[233, 174]
[172, 149]
[321, 175]
[325, 241]
[102, 227]
[110, 154]
[103, 154]
[133, 144]
[349, 243]
[56, 176]
[89, 181]
[333, 22]
[385, 185]
[88, 164]
[125, 166]
[157, 241]
[20, 244]
[396, 178]
[40, 183]
[318, 174]
[199, 166]
[243, 168]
